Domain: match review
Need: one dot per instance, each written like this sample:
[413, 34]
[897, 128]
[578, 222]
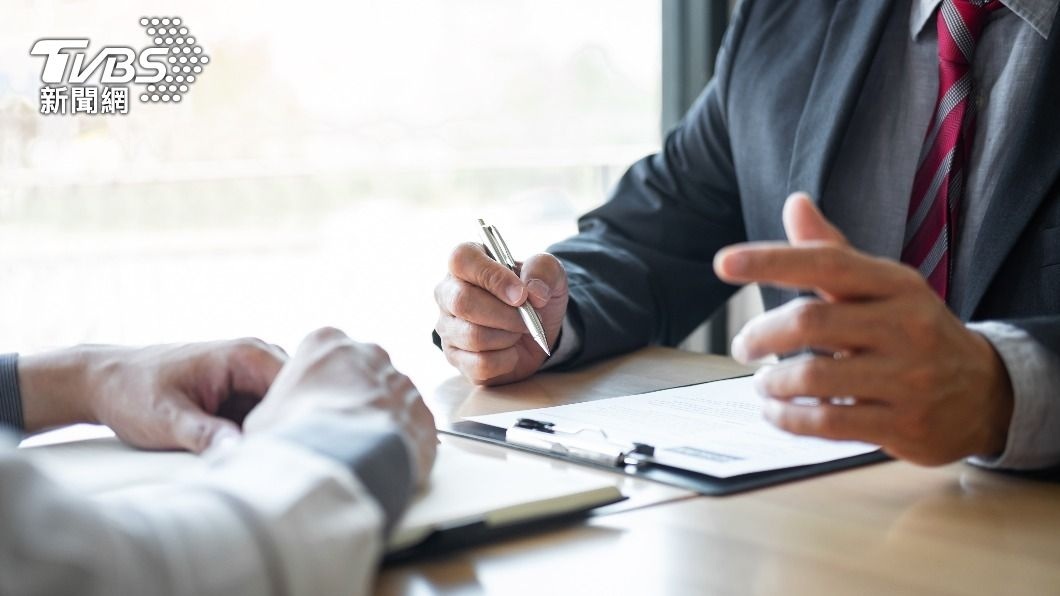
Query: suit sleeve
[640, 268]
[268, 516]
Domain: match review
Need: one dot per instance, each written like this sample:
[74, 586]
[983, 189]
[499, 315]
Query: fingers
[483, 367]
[348, 378]
[331, 346]
[545, 278]
[253, 366]
[482, 335]
[471, 303]
[864, 377]
[195, 430]
[840, 272]
[470, 263]
[810, 323]
[471, 337]
[819, 258]
[319, 338]
[803, 222]
[864, 422]
[423, 433]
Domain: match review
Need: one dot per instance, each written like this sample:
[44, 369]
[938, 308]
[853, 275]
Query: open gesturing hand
[926, 388]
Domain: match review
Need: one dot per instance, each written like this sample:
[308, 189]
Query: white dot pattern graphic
[184, 56]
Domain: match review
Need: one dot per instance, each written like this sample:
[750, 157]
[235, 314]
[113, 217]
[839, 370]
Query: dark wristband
[379, 458]
[10, 394]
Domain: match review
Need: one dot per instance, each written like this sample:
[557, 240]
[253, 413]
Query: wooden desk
[890, 528]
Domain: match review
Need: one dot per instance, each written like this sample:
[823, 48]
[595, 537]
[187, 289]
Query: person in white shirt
[298, 499]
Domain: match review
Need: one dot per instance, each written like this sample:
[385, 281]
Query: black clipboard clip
[590, 445]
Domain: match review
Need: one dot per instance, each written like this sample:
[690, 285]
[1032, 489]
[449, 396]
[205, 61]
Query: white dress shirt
[264, 517]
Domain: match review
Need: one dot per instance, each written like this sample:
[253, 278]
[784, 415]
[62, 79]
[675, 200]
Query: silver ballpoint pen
[498, 250]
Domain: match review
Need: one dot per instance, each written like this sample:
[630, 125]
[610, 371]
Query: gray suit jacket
[770, 123]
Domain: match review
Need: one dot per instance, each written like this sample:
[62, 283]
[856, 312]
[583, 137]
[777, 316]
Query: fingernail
[736, 263]
[759, 381]
[771, 409]
[515, 294]
[539, 289]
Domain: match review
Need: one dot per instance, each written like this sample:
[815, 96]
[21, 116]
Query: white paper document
[714, 428]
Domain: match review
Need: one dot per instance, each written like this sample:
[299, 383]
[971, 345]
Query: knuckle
[920, 378]
[423, 412]
[826, 421]
[920, 326]
[810, 375]
[441, 291]
[331, 354]
[478, 370]
[400, 388]
[763, 382]
[809, 316]
[462, 304]
[483, 369]
[917, 426]
[248, 350]
[250, 345]
[493, 278]
[408, 386]
[477, 337]
[326, 345]
[461, 254]
[198, 437]
[450, 356]
[787, 418]
[839, 261]
[324, 335]
[375, 352]
[545, 266]
[910, 277]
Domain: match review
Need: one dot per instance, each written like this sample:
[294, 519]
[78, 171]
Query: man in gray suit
[922, 277]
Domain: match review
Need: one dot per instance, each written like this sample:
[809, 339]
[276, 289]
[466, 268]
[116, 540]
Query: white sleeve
[1034, 433]
[569, 344]
[265, 517]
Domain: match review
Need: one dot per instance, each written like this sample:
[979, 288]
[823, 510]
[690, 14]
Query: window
[318, 172]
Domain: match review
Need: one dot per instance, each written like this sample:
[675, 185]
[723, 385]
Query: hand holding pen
[497, 249]
[485, 305]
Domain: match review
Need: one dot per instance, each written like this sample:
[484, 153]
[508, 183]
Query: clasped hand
[192, 396]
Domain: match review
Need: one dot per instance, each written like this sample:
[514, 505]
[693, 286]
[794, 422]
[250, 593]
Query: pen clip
[495, 245]
[503, 246]
[579, 445]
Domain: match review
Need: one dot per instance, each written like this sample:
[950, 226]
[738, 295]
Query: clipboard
[636, 460]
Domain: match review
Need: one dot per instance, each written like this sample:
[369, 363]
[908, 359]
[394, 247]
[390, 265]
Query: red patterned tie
[937, 188]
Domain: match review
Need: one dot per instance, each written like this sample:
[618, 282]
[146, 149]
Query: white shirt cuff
[569, 344]
[1034, 433]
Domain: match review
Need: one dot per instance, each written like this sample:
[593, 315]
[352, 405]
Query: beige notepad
[466, 489]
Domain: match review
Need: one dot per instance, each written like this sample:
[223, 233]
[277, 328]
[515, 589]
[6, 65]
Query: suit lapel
[846, 53]
[1024, 177]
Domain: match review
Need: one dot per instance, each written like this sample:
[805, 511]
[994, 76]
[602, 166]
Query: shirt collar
[1039, 14]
